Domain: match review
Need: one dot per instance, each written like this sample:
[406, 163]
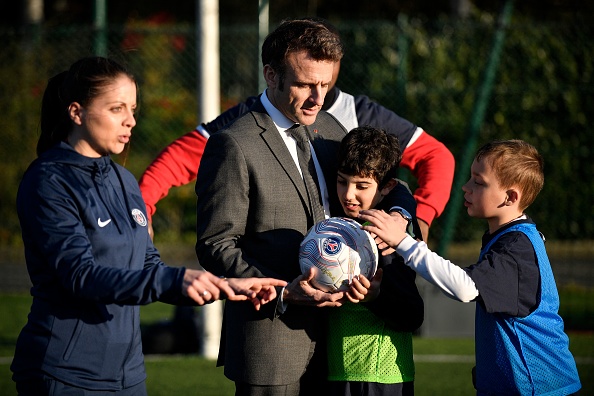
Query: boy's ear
[512, 196]
[385, 190]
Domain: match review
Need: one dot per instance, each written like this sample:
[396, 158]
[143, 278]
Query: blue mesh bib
[529, 355]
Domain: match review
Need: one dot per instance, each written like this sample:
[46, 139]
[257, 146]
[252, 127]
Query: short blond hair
[515, 163]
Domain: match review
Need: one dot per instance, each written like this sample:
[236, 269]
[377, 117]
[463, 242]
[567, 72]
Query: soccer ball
[340, 250]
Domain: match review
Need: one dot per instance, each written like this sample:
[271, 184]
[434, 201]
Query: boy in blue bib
[521, 346]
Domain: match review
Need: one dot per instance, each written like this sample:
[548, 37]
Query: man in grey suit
[253, 211]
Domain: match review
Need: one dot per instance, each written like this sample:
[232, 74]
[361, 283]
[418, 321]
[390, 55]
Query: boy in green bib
[370, 339]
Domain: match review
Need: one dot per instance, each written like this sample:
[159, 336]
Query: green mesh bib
[361, 347]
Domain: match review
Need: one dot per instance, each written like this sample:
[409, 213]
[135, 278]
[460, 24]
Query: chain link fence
[426, 71]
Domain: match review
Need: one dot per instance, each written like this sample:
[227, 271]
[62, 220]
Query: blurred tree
[241, 11]
[460, 8]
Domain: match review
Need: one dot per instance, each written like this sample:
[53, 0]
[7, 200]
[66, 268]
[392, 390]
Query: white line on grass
[444, 358]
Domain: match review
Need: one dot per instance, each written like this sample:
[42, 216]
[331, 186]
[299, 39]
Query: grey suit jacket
[252, 214]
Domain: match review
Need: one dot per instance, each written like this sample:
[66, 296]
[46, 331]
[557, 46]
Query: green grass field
[443, 365]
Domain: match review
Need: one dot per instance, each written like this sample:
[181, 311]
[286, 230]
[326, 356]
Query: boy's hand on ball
[363, 290]
[301, 292]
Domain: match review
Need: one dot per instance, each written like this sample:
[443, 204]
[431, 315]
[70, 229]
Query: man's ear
[270, 76]
[75, 111]
[385, 190]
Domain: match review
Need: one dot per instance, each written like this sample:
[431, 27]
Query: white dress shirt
[282, 123]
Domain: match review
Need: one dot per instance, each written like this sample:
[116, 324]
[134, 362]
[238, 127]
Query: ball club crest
[331, 246]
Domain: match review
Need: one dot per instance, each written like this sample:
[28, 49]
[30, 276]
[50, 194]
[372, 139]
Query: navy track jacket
[91, 263]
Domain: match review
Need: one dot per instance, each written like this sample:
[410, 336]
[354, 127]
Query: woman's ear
[385, 190]
[75, 111]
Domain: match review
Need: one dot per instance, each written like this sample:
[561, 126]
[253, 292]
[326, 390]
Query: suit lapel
[279, 149]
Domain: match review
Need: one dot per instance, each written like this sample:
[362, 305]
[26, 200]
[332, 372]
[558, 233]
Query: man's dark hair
[312, 36]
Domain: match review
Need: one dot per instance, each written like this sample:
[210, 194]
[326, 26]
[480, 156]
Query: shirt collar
[281, 122]
[487, 237]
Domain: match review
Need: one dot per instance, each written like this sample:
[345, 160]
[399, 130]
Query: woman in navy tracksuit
[88, 252]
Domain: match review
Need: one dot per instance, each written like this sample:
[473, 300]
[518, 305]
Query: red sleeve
[175, 166]
[432, 164]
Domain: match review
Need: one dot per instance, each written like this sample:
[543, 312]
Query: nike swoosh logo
[103, 223]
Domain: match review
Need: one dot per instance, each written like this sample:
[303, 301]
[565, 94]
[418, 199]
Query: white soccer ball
[340, 250]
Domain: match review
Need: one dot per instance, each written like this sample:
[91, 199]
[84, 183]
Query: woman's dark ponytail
[55, 121]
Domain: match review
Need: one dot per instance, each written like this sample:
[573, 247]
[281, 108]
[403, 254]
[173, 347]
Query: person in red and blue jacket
[429, 160]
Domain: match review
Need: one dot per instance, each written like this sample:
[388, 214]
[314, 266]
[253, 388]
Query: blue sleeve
[230, 115]
[375, 115]
[69, 256]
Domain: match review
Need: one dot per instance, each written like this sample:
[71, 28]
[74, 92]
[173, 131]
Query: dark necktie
[309, 172]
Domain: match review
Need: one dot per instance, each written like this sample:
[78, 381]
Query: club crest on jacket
[139, 217]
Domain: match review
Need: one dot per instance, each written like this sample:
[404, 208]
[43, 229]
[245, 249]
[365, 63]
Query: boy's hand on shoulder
[390, 228]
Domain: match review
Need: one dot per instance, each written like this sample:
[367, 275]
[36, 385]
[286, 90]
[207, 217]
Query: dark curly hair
[370, 152]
